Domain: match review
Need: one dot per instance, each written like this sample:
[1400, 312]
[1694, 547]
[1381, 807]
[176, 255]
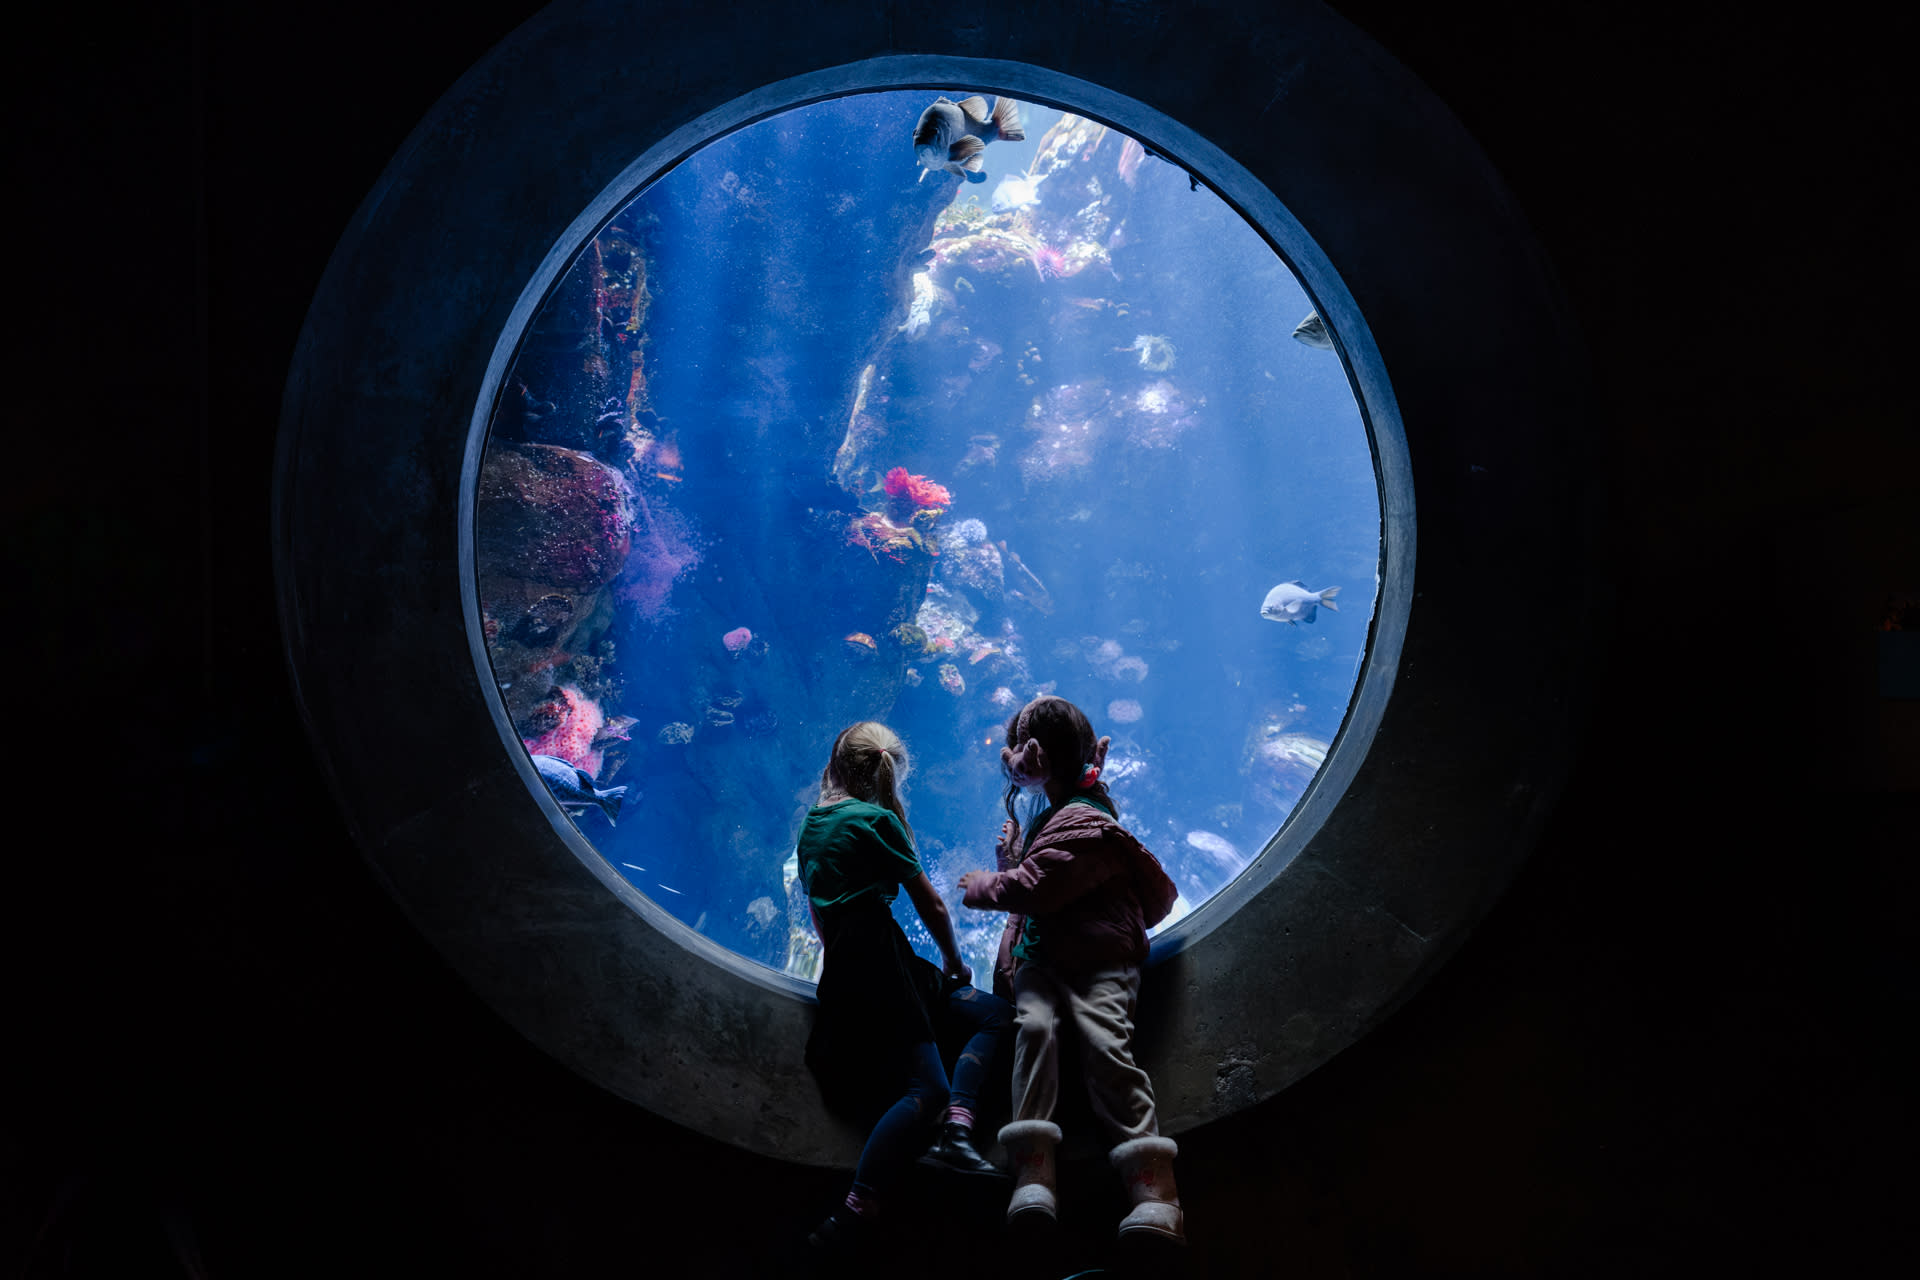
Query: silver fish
[574, 788]
[1020, 191]
[952, 136]
[1313, 332]
[1292, 603]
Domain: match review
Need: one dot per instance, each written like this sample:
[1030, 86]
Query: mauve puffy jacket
[1093, 887]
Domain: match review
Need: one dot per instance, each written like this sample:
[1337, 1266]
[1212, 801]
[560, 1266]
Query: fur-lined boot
[1030, 1145]
[1146, 1166]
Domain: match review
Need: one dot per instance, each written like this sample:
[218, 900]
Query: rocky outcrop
[553, 515]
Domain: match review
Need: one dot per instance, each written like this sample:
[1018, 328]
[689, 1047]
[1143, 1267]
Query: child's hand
[958, 968]
[970, 879]
[1009, 838]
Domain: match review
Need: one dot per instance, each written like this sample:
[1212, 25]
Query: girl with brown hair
[1081, 893]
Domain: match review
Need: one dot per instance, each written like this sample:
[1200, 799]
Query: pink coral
[918, 490]
[581, 719]
[737, 639]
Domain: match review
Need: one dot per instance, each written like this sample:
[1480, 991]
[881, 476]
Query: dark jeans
[902, 1133]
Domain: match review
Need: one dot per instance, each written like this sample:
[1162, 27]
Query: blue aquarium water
[812, 434]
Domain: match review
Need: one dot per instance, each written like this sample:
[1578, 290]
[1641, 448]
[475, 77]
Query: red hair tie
[1091, 774]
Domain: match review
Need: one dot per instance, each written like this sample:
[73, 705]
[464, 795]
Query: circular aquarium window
[911, 406]
[669, 375]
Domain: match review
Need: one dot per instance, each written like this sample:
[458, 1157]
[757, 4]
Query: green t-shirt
[1027, 948]
[852, 851]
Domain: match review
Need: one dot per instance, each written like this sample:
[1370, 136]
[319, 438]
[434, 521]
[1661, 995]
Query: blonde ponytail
[869, 762]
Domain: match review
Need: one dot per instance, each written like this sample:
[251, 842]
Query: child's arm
[1052, 874]
[1004, 855]
[933, 913]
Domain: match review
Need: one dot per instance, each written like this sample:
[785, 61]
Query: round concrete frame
[1360, 179]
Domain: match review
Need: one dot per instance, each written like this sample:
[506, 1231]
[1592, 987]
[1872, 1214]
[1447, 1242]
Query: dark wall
[1670, 1047]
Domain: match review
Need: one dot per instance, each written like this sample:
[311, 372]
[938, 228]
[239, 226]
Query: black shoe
[842, 1233]
[953, 1151]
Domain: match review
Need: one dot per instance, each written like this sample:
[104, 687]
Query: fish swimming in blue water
[1313, 332]
[1292, 603]
[952, 137]
[574, 788]
[1020, 191]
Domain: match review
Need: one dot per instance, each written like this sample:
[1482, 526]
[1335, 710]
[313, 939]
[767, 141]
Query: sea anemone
[1156, 352]
[918, 490]
[1048, 262]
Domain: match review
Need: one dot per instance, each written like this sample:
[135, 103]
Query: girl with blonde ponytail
[873, 1046]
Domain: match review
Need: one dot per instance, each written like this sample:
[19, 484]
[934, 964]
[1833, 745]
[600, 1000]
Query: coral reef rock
[553, 515]
[566, 727]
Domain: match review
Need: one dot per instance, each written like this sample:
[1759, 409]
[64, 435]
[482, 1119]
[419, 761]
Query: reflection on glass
[814, 432]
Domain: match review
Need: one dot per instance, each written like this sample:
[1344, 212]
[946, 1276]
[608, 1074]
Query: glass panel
[803, 438]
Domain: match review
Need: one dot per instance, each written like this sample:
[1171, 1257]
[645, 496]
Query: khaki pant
[1100, 1009]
